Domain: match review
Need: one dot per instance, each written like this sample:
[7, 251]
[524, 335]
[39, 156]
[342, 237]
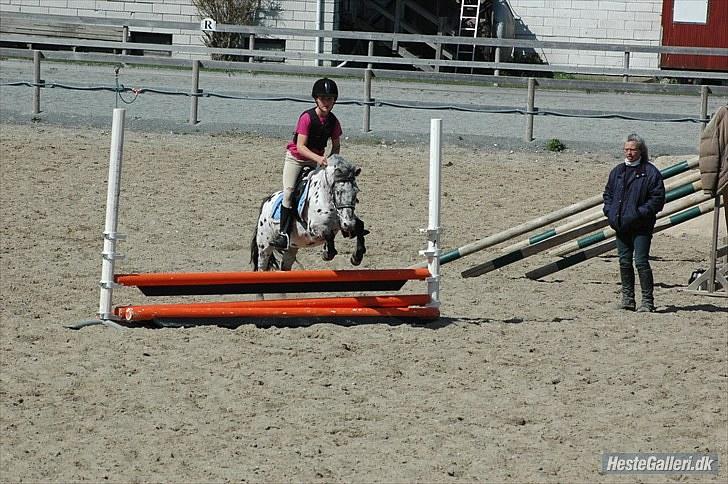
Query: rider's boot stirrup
[282, 239]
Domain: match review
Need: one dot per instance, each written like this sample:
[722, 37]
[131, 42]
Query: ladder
[468, 27]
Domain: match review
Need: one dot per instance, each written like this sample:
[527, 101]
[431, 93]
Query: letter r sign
[208, 24]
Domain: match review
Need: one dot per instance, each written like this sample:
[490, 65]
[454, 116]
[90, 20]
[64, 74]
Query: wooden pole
[586, 254]
[625, 77]
[704, 93]
[37, 82]
[597, 237]
[713, 274]
[668, 172]
[124, 37]
[528, 137]
[714, 245]
[554, 231]
[438, 45]
[673, 191]
[520, 254]
[535, 224]
[251, 46]
[397, 21]
[517, 230]
[368, 74]
[194, 94]
[366, 119]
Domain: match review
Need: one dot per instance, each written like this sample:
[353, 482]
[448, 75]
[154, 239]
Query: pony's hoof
[355, 261]
[327, 256]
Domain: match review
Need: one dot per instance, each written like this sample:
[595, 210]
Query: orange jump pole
[152, 311]
[197, 283]
[211, 311]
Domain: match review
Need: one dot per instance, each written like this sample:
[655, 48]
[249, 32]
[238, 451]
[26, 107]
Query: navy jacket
[633, 197]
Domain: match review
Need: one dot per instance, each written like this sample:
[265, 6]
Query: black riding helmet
[325, 87]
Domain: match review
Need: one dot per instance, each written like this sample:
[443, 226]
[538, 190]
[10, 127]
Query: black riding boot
[282, 239]
[626, 274]
[646, 285]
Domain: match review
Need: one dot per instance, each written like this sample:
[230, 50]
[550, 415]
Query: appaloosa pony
[325, 206]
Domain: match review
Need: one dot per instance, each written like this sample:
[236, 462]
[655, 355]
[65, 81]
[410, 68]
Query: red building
[695, 23]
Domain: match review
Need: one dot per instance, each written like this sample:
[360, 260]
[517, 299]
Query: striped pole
[672, 171]
[544, 220]
[583, 255]
[553, 232]
[519, 254]
[603, 235]
[516, 231]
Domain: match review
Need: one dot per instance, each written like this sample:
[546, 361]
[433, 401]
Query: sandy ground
[521, 381]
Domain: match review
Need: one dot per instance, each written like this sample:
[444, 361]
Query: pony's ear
[357, 170]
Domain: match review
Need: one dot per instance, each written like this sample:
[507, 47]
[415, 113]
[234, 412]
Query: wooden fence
[119, 51]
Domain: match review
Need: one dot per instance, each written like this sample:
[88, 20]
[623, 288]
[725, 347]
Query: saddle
[299, 195]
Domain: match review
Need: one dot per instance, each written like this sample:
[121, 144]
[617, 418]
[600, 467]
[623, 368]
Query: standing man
[634, 195]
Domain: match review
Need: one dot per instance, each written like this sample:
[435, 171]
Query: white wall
[298, 14]
[603, 21]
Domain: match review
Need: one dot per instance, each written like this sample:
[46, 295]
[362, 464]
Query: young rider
[307, 148]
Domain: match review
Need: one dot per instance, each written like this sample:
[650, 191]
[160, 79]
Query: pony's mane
[342, 168]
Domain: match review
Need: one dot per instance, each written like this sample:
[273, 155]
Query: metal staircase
[468, 27]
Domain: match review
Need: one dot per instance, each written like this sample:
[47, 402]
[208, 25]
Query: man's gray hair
[644, 154]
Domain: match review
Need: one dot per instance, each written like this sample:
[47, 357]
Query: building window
[690, 11]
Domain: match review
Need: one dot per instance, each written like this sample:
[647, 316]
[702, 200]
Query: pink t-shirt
[302, 127]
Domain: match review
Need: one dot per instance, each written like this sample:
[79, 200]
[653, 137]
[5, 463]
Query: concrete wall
[603, 21]
[298, 14]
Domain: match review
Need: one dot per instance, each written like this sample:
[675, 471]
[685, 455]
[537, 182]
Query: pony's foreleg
[289, 257]
[329, 248]
[359, 233]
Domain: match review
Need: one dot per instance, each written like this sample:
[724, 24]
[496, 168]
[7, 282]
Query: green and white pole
[668, 172]
[583, 255]
[520, 254]
[603, 235]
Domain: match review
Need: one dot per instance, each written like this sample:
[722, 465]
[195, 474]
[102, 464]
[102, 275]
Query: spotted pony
[327, 209]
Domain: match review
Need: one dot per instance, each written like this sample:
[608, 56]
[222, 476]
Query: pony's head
[342, 175]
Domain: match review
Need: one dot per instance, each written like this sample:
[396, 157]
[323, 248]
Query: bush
[234, 12]
[555, 144]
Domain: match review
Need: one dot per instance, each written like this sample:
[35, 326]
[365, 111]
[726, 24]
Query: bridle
[339, 207]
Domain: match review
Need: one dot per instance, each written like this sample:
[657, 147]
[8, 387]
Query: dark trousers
[634, 247]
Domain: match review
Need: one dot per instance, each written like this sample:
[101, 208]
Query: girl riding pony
[307, 148]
